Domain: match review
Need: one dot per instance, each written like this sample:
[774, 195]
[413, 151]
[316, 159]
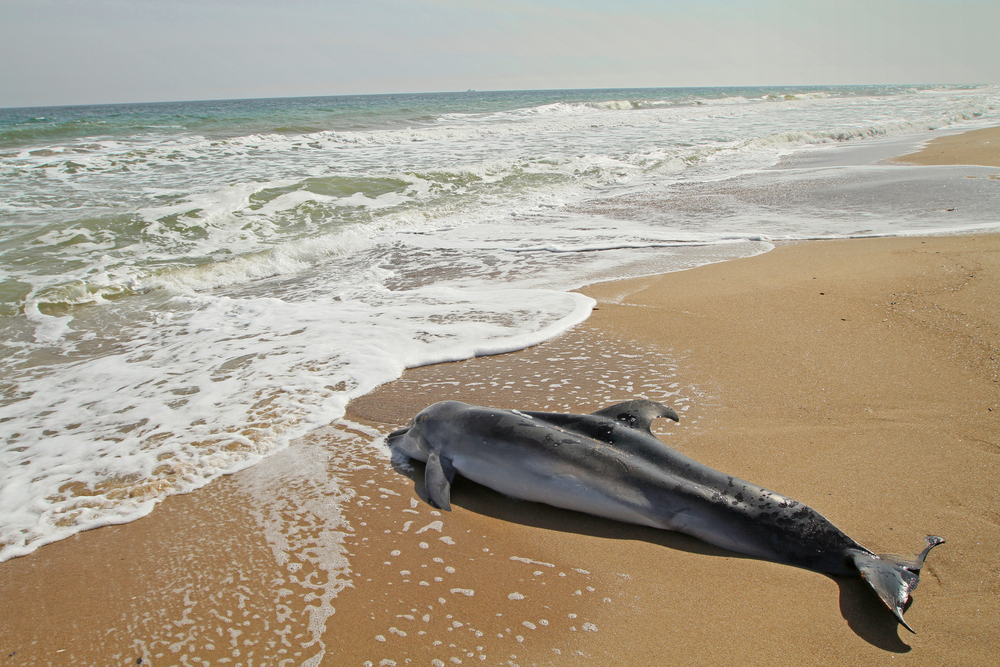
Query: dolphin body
[611, 465]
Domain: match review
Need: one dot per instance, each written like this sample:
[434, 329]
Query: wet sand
[861, 377]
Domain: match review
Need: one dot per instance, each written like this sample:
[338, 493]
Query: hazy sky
[103, 51]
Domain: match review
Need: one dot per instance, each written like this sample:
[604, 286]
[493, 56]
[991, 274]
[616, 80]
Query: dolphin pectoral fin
[437, 480]
[638, 414]
[893, 578]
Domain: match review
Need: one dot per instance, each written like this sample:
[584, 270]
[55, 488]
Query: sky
[60, 52]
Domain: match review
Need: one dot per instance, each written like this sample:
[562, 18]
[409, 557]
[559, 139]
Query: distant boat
[470, 90]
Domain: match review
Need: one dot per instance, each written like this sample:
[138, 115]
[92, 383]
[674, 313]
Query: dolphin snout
[399, 432]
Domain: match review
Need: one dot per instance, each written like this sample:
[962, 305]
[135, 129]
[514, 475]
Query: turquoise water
[225, 119]
[185, 287]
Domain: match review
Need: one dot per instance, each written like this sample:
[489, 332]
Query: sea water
[186, 287]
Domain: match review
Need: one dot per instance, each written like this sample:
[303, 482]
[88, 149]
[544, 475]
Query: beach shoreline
[808, 370]
[859, 376]
[976, 147]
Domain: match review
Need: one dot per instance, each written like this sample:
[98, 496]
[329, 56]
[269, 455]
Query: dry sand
[861, 377]
[980, 147]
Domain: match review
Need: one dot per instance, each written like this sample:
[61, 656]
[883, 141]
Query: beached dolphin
[611, 465]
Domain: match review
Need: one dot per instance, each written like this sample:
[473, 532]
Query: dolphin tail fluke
[437, 479]
[894, 577]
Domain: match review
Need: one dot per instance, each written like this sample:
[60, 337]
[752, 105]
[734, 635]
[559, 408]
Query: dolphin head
[412, 440]
[423, 440]
[407, 440]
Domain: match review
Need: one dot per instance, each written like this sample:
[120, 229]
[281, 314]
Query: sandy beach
[980, 147]
[859, 376]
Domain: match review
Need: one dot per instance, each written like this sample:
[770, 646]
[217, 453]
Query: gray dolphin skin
[610, 464]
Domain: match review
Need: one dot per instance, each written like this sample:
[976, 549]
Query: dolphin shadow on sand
[610, 465]
[868, 621]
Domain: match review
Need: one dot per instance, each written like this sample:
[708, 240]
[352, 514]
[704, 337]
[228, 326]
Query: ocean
[187, 287]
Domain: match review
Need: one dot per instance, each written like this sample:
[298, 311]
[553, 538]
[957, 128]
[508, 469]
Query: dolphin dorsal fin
[637, 414]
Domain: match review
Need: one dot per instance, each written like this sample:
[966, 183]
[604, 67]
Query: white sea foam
[180, 303]
[222, 382]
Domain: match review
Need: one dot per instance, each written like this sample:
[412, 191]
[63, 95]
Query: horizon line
[476, 91]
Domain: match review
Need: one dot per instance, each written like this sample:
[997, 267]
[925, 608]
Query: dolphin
[610, 464]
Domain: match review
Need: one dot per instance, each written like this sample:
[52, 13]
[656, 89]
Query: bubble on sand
[447, 540]
[529, 625]
[433, 525]
[424, 545]
[467, 592]
[380, 638]
[589, 627]
[533, 562]
[515, 596]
